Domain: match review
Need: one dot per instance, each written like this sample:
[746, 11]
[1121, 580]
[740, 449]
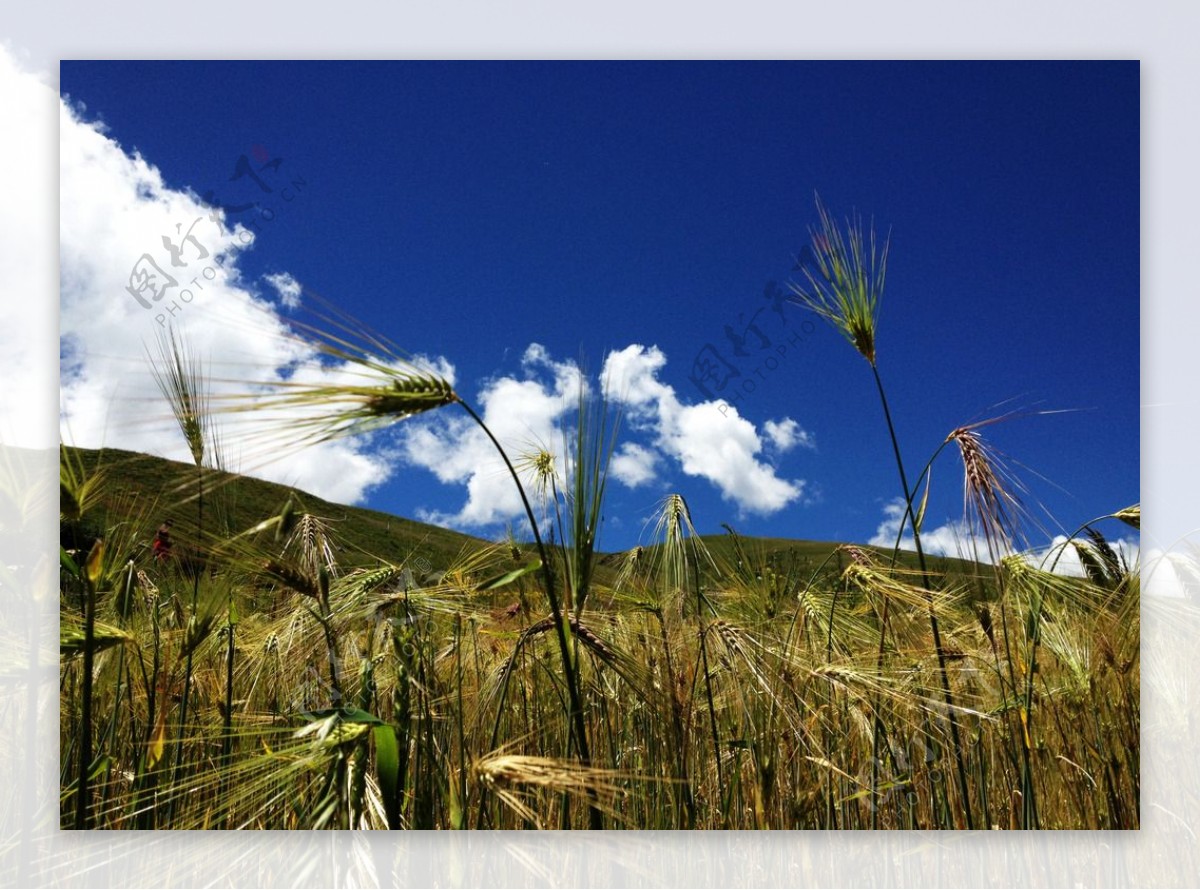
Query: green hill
[145, 490]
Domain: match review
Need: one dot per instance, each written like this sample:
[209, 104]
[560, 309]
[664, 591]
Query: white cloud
[287, 287]
[634, 464]
[115, 212]
[525, 415]
[28, 256]
[956, 539]
[528, 412]
[786, 434]
[710, 440]
[952, 539]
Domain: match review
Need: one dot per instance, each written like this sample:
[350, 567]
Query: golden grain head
[989, 494]
[1131, 516]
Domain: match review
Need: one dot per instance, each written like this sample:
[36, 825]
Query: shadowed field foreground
[751, 688]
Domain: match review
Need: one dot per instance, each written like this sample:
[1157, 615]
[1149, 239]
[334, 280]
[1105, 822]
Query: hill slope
[145, 490]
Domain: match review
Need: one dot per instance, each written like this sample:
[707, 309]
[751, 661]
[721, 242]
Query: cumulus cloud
[710, 440]
[287, 287]
[525, 414]
[634, 465]
[956, 539]
[26, 220]
[529, 411]
[786, 434]
[136, 257]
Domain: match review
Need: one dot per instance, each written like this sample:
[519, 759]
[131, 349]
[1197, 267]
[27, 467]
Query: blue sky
[469, 211]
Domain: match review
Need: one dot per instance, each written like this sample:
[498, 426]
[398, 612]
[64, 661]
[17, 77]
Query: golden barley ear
[1131, 516]
[516, 780]
[990, 493]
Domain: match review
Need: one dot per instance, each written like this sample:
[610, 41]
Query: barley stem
[569, 664]
[933, 622]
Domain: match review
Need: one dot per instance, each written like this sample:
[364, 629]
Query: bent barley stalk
[395, 389]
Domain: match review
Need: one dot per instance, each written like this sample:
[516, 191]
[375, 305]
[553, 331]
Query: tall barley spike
[848, 282]
[845, 291]
[180, 378]
[351, 381]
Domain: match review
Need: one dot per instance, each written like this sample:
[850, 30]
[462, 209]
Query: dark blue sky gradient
[468, 209]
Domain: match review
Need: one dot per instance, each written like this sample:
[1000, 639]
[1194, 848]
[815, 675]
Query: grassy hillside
[145, 490]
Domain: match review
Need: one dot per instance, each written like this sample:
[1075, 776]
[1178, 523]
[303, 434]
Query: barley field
[278, 673]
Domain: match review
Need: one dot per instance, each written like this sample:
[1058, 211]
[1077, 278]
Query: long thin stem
[708, 688]
[187, 669]
[569, 664]
[83, 790]
[229, 656]
[933, 622]
[878, 721]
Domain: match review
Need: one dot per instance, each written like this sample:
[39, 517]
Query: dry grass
[796, 721]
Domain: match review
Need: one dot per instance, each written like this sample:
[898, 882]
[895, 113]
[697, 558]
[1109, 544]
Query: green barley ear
[180, 377]
[411, 394]
[376, 396]
[848, 282]
[79, 490]
[355, 381]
